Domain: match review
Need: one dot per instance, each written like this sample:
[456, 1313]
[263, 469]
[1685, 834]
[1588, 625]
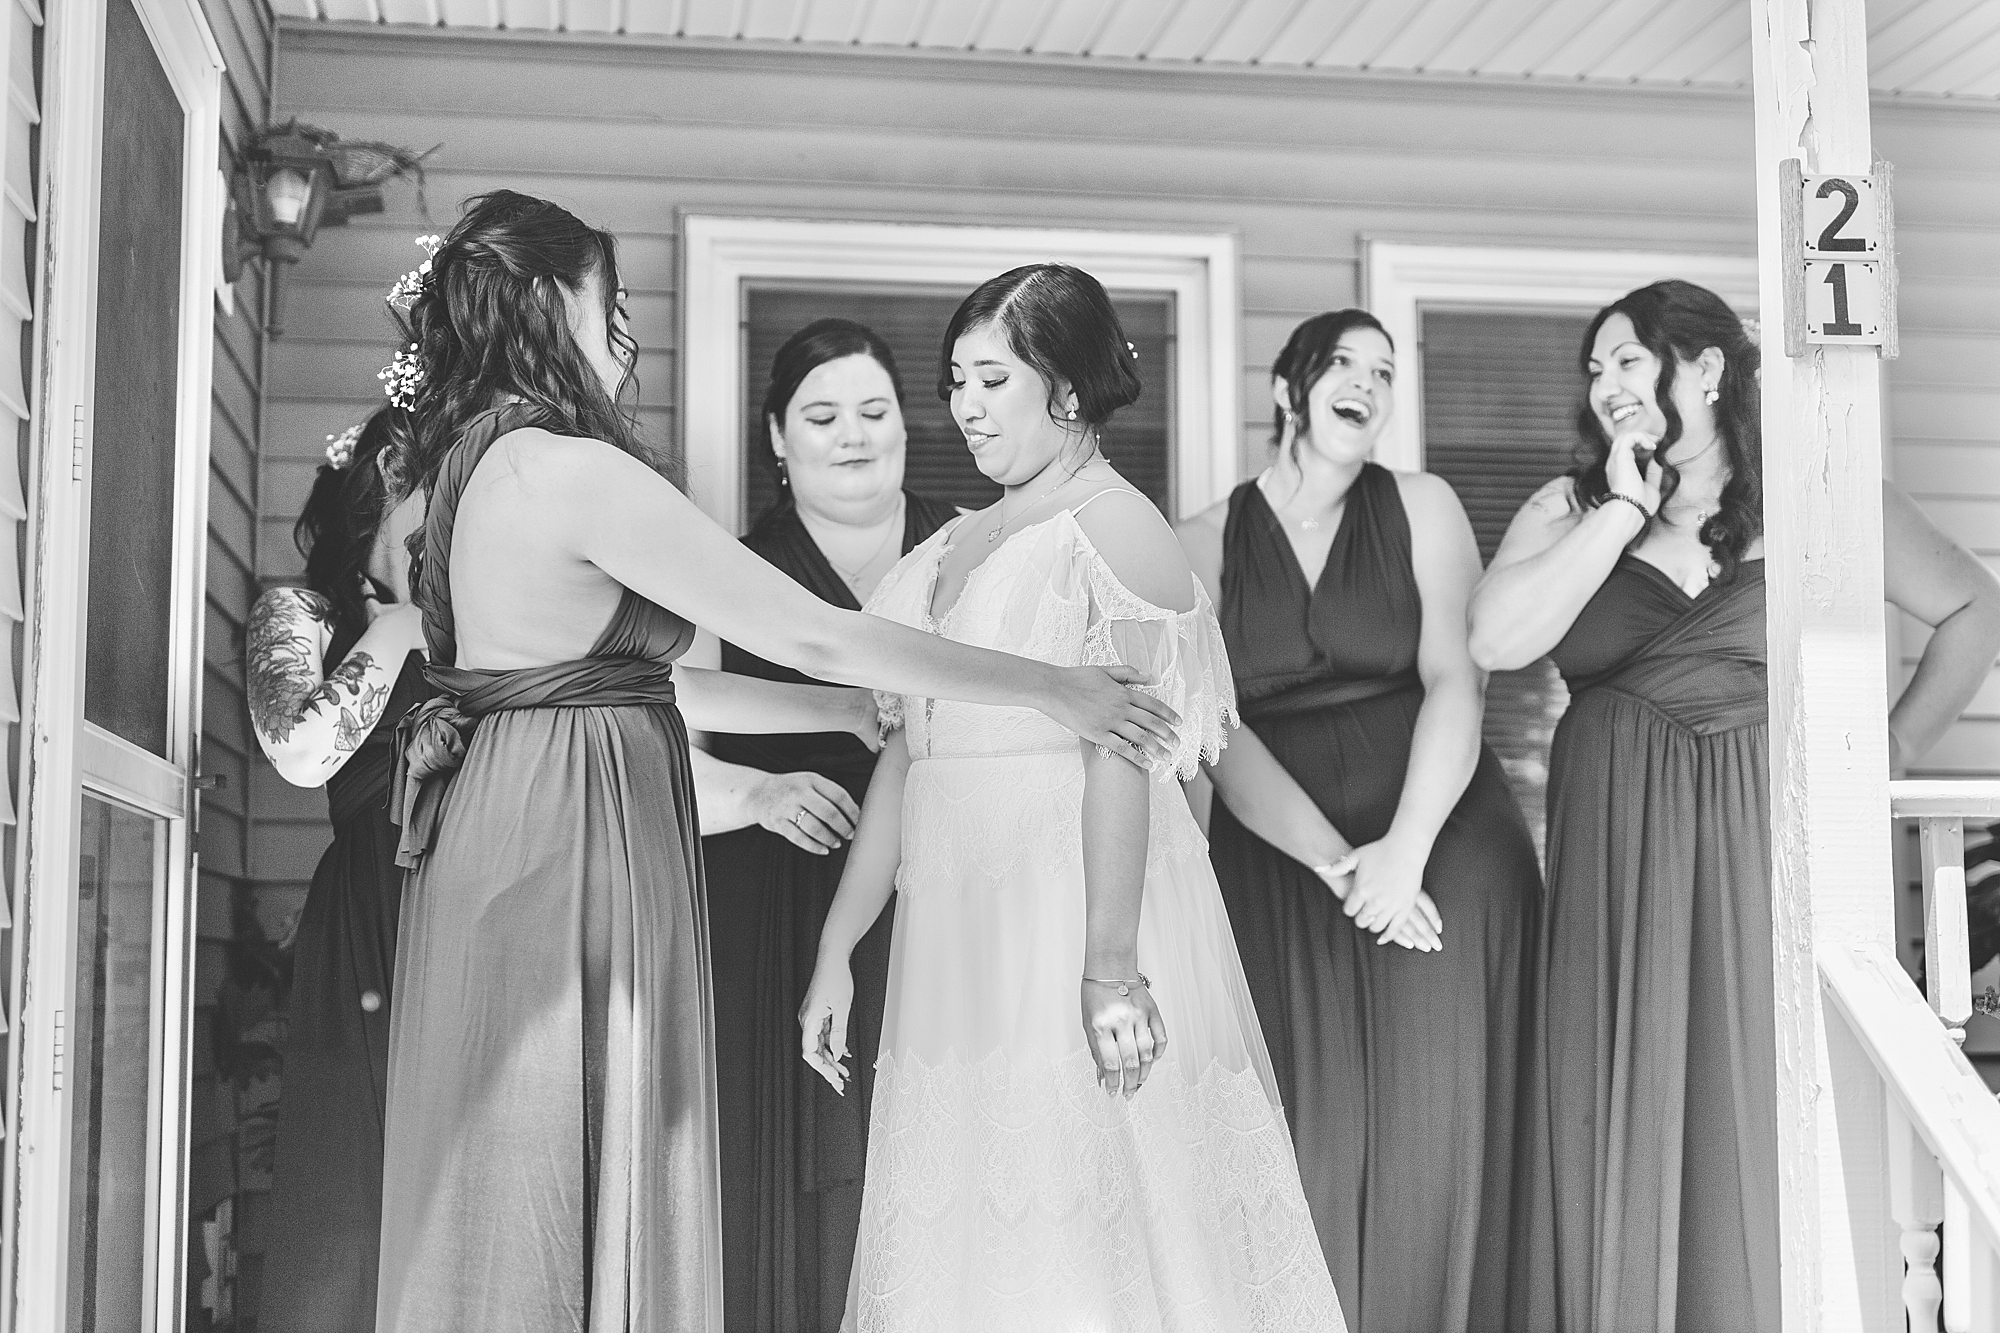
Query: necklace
[995, 534]
[1305, 524]
[855, 577]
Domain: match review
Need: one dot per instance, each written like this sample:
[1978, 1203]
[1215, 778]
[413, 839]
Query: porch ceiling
[1938, 48]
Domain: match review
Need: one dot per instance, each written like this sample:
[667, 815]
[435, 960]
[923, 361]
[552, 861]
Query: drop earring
[1712, 397]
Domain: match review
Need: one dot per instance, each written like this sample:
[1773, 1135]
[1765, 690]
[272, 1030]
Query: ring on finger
[800, 818]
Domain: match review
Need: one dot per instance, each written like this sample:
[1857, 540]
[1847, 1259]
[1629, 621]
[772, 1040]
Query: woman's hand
[1632, 467]
[823, 1021]
[867, 724]
[1098, 704]
[1384, 893]
[1125, 1034]
[400, 618]
[812, 811]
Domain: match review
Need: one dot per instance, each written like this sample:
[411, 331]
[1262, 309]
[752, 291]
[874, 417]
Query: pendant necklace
[1305, 524]
[994, 535]
[855, 577]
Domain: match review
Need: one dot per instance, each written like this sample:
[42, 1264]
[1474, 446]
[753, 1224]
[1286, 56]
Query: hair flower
[340, 448]
[402, 377]
[411, 285]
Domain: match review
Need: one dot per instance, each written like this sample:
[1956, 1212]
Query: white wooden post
[1916, 1201]
[1829, 697]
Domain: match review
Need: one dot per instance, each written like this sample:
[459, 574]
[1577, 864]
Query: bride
[1075, 1123]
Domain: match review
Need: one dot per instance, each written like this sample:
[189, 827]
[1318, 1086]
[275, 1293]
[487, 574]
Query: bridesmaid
[784, 806]
[332, 667]
[550, 1161]
[1359, 807]
[1651, 1192]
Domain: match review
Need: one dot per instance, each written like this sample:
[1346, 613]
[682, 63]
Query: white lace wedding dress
[1005, 1190]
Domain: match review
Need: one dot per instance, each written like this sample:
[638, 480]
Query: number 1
[1842, 327]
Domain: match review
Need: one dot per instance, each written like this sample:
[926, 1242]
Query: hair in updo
[811, 347]
[1059, 321]
[1306, 356]
[491, 322]
[1677, 321]
[336, 529]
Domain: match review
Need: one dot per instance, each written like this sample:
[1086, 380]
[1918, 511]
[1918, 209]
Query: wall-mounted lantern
[294, 179]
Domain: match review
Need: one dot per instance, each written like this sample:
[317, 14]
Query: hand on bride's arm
[807, 809]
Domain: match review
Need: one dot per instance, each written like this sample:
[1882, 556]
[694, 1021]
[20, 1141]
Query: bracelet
[1614, 495]
[1124, 984]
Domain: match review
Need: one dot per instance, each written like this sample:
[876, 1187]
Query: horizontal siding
[1299, 169]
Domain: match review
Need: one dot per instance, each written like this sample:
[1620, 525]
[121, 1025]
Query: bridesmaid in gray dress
[550, 1146]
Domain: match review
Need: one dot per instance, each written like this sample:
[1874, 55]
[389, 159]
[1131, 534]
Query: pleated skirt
[1399, 1071]
[326, 1188]
[550, 1164]
[793, 1150]
[1653, 1151]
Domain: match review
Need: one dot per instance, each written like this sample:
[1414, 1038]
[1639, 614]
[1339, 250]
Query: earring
[1291, 417]
[784, 474]
[1712, 397]
[1072, 414]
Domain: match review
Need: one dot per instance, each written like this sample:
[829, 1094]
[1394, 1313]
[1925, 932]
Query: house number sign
[1840, 263]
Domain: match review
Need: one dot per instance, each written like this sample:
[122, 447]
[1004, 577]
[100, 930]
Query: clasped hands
[1380, 886]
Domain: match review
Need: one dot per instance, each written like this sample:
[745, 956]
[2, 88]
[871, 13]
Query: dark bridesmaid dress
[550, 1160]
[326, 1188]
[1398, 1070]
[1654, 1114]
[792, 1149]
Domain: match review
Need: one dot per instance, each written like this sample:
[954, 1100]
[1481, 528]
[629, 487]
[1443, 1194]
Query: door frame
[62, 754]
[720, 254]
[1401, 280]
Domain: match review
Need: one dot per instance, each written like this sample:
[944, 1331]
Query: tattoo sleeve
[282, 660]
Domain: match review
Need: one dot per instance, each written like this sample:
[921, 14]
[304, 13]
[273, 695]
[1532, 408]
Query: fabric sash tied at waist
[432, 739]
[1310, 696]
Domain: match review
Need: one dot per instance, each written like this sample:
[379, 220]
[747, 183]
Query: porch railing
[1944, 1125]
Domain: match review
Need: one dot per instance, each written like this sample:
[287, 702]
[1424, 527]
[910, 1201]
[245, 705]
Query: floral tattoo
[282, 659]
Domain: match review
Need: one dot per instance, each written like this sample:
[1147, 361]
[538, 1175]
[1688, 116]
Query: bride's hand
[823, 1021]
[1098, 704]
[1125, 1033]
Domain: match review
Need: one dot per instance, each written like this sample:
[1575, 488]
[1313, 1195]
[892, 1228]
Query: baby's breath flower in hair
[402, 377]
[340, 448]
[411, 284]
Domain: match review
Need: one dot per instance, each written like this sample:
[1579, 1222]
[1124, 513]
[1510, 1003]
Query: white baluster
[1947, 939]
[1916, 1203]
[1957, 1262]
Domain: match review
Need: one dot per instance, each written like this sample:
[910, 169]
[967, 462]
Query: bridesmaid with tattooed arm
[332, 667]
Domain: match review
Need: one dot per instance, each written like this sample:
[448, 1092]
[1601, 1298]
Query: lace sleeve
[1181, 652]
[902, 596]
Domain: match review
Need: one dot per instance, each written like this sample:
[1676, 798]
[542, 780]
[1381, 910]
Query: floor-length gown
[551, 1156]
[326, 1187]
[1399, 1070]
[1005, 1189]
[792, 1149]
[1655, 1102]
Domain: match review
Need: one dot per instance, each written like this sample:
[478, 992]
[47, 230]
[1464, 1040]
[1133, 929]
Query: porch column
[1832, 883]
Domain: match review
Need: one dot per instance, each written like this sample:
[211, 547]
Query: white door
[132, 228]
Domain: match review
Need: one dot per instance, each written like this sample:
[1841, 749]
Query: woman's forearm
[868, 650]
[748, 705]
[1444, 750]
[1520, 611]
[1268, 800]
[1956, 662]
[722, 792]
[872, 859]
[1116, 820]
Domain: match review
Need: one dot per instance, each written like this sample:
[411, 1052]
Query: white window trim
[720, 254]
[1400, 281]
[66, 751]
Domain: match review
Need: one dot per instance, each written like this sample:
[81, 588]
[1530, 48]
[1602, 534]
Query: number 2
[1830, 239]
[1842, 326]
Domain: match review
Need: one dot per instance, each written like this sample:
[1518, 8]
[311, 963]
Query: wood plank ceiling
[1926, 48]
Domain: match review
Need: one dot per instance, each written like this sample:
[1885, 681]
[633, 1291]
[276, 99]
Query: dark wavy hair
[1677, 321]
[1059, 320]
[491, 322]
[335, 531]
[1306, 356]
[811, 347]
